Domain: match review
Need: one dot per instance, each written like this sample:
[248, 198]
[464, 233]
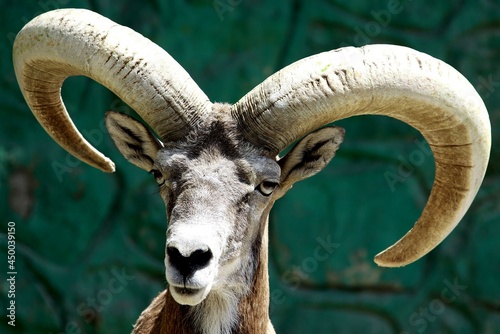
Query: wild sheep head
[218, 190]
[217, 164]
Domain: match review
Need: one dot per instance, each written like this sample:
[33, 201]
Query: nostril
[201, 257]
[174, 256]
[187, 265]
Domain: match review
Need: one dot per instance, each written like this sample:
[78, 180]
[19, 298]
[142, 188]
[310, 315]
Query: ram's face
[218, 190]
[217, 207]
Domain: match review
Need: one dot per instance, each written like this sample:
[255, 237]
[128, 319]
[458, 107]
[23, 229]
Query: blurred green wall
[80, 231]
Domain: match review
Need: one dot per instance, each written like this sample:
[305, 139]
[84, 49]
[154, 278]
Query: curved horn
[70, 42]
[383, 80]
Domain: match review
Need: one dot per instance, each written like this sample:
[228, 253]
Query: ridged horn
[385, 80]
[69, 42]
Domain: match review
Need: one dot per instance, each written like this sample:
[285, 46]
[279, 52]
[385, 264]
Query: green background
[90, 245]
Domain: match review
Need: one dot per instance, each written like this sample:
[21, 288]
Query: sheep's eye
[266, 188]
[158, 176]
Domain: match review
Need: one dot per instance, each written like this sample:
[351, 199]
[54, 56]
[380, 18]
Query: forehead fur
[218, 137]
[217, 132]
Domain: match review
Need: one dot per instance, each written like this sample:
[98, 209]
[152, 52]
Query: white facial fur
[214, 205]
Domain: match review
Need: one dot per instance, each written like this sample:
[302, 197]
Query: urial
[217, 166]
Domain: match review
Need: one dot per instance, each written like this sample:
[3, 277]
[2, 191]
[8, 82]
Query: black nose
[187, 265]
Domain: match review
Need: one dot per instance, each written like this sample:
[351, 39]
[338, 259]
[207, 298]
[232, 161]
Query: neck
[253, 309]
[165, 315]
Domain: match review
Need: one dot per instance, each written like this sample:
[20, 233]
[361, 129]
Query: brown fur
[164, 315]
[254, 308]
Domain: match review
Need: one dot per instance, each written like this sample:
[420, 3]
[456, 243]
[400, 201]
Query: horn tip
[388, 259]
[381, 261]
[107, 165]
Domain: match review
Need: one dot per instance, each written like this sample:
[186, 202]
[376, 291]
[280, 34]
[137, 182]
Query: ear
[137, 144]
[309, 156]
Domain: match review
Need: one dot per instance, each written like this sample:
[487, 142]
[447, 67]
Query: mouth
[183, 291]
[188, 296]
